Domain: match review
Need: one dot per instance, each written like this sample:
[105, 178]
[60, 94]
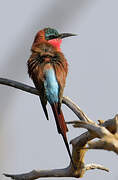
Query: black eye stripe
[52, 37]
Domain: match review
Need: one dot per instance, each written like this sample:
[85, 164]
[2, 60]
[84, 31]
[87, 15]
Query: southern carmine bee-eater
[48, 69]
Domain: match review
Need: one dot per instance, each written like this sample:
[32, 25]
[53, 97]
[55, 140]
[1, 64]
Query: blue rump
[51, 86]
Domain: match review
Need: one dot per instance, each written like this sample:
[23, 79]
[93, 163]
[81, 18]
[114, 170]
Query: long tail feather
[59, 118]
[67, 147]
[62, 128]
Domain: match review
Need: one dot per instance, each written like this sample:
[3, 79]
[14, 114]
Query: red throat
[56, 43]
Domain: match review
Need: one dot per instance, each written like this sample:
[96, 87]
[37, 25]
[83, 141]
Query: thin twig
[95, 166]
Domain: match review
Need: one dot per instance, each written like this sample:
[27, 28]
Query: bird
[48, 69]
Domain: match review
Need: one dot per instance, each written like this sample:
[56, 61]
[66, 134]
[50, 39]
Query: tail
[43, 103]
[45, 110]
[61, 127]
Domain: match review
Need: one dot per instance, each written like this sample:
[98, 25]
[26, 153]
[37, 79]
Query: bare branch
[106, 131]
[78, 158]
[108, 140]
[53, 173]
[76, 109]
[110, 125]
[40, 174]
[94, 128]
[19, 85]
[95, 166]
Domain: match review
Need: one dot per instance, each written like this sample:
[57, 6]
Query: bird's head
[51, 36]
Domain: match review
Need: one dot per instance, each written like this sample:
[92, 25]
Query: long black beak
[64, 35]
